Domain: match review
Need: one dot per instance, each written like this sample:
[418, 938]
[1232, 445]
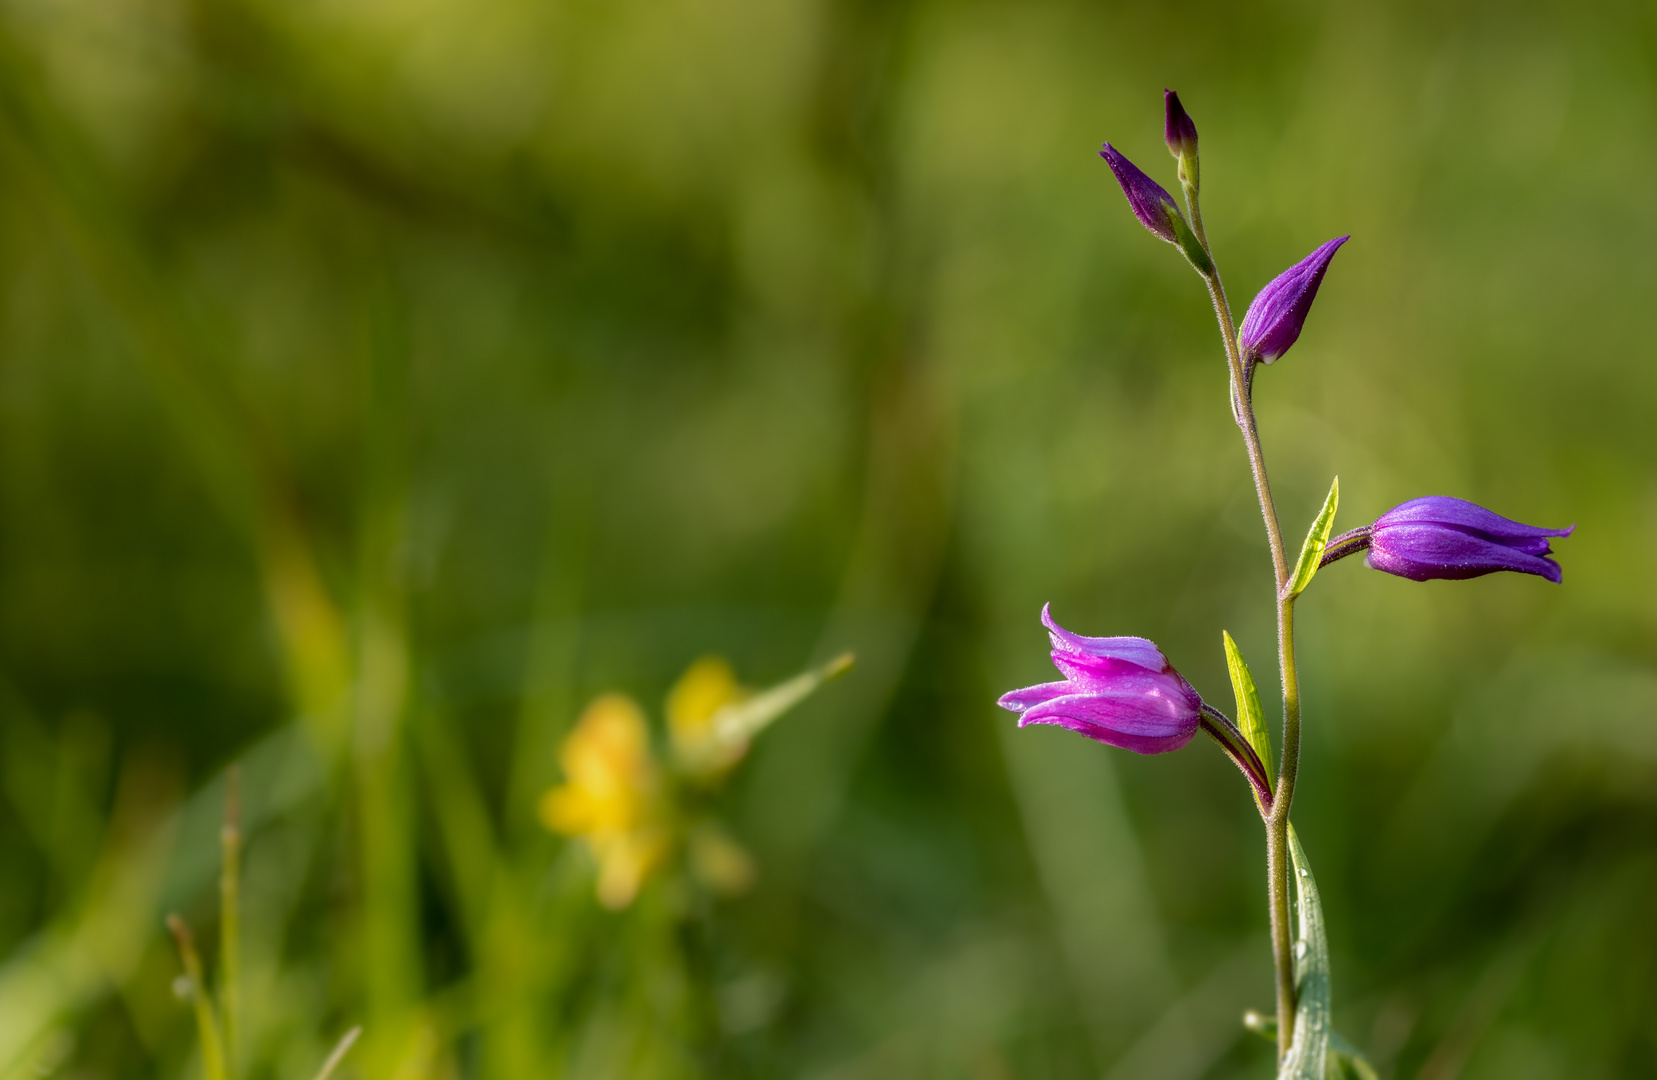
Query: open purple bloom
[1440, 538]
[1118, 690]
[1152, 205]
[1274, 319]
[1178, 130]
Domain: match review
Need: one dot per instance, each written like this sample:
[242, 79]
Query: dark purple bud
[1274, 319]
[1438, 537]
[1119, 690]
[1152, 205]
[1178, 130]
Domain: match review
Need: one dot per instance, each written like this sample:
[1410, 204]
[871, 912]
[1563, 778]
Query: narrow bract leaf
[1193, 249]
[1316, 540]
[1251, 721]
[1308, 1055]
[744, 719]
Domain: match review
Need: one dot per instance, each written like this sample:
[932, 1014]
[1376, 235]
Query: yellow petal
[705, 687]
[567, 810]
[624, 860]
[608, 751]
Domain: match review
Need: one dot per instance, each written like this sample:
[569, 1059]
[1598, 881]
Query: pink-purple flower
[1274, 319]
[1441, 538]
[1118, 690]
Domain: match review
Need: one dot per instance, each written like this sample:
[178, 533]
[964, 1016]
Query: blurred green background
[380, 380]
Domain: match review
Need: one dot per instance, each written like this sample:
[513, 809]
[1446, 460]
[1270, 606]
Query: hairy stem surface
[1277, 818]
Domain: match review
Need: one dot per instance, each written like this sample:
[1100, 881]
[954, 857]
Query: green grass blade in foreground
[1318, 1051]
[1251, 720]
[1308, 1053]
[1317, 538]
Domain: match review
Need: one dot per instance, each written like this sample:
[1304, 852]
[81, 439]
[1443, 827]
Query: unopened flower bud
[1274, 320]
[1180, 133]
[1441, 538]
[1155, 208]
[1151, 203]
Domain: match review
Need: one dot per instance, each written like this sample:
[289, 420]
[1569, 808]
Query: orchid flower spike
[1274, 320]
[1441, 538]
[1123, 692]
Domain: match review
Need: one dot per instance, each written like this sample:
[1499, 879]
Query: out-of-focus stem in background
[230, 920]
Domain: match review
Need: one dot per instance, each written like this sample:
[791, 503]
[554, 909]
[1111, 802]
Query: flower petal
[1446, 510]
[1031, 696]
[1428, 552]
[1135, 651]
[1143, 723]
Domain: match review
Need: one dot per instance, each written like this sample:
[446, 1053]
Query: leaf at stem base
[1251, 719]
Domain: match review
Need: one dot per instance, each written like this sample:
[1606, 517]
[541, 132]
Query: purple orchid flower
[1123, 692]
[1152, 205]
[1274, 319]
[1440, 538]
[1178, 131]
[1118, 690]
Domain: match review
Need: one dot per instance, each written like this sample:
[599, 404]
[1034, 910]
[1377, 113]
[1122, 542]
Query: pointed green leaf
[1251, 721]
[747, 718]
[1316, 540]
[1317, 1051]
[1308, 1057]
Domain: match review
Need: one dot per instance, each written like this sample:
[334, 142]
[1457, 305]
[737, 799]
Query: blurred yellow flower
[706, 687]
[617, 800]
[611, 799]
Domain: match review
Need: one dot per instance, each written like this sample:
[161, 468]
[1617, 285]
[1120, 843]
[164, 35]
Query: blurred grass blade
[1346, 1063]
[1250, 719]
[43, 1058]
[1317, 538]
[342, 1048]
[1261, 1024]
[207, 1024]
[742, 720]
[1309, 1052]
[230, 916]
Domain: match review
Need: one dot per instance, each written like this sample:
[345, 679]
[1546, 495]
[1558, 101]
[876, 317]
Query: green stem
[1277, 829]
[207, 1024]
[1277, 818]
[230, 920]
